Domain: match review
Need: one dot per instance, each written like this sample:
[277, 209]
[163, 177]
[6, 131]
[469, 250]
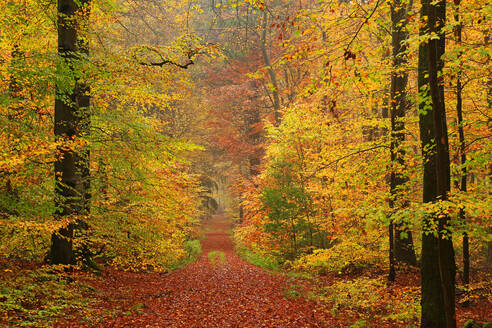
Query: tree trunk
[461, 134]
[72, 191]
[489, 105]
[271, 71]
[392, 273]
[403, 241]
[437, 276]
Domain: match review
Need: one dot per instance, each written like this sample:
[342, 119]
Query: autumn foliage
[309, 123]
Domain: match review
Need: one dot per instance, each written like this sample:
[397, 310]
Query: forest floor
[218, 290]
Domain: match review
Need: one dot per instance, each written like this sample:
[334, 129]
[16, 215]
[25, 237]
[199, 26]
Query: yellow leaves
[344, 255]
[152, 196]
[366, 297]
[33, 225]
[18, 152]
[143, 191]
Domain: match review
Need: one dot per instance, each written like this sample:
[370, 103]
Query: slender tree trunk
[403, 241]
[241, 213]
[72, 191]
[438, 266]
[294, 238]
[271, 71]
[489, 104]
[461, 134]
[254, 138]
[103, 175]
[463, 188]
[392, 273]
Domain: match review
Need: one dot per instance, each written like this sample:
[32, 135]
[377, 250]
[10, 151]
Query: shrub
[193, 249]
[36, 298]
[264, 261]
[343, 257]
[369, 298]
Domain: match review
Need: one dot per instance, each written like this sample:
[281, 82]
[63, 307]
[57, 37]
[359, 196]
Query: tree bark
[489, 104]
[72, 191]
[403, 241]
[271, 71]
[438, 277]
[392, 270]
[463, 171]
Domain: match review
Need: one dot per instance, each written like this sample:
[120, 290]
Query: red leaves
[235, 294]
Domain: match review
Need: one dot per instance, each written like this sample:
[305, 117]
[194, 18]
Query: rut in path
[225, 294]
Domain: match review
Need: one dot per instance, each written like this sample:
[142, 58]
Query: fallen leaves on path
[205, 294]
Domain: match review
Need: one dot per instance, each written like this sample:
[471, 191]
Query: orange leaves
[203, 295]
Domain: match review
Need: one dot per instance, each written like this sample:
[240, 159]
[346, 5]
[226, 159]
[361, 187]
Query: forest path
[229, 293]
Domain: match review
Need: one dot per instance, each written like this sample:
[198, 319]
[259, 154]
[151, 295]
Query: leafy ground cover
[208, 294]
[220, 289]
[367, 299]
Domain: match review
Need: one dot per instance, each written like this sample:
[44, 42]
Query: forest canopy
[346, 141]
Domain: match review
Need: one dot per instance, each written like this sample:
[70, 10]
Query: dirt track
[229, 294]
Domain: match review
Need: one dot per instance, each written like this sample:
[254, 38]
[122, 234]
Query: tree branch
[190, 54]
[347, 156]
[361, 25]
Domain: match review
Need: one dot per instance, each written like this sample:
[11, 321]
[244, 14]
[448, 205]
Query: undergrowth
[37, 297]
[193, 250]
[344, 257]
[368, 298]
[264, 261]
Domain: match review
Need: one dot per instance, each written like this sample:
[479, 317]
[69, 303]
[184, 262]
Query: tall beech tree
[402, 246]
[72, 194]
[438, 265]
